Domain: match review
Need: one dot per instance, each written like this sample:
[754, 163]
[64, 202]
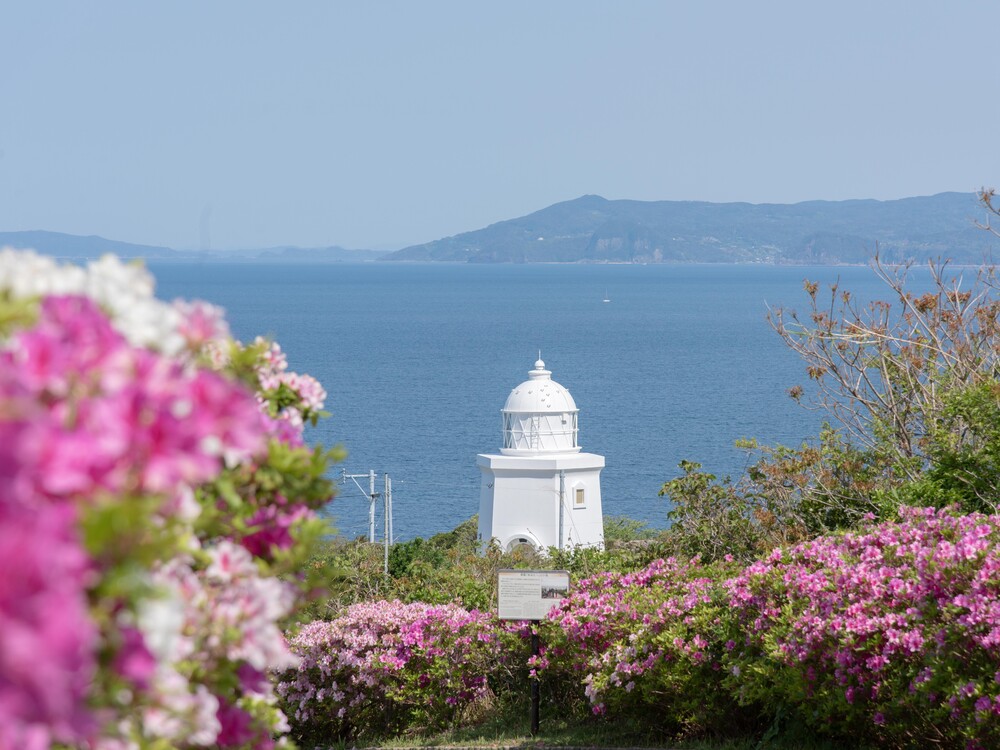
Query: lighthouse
[541, 490]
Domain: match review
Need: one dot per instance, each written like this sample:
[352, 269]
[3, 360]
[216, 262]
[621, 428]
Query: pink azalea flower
[47, 639]
[134, 661]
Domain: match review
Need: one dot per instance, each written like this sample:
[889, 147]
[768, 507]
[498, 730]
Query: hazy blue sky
[378, 124]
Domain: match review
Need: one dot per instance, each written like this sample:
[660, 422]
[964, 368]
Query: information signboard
[530, 594]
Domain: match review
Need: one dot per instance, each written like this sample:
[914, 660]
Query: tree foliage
[908, 384]
[448, 568]
[883, 370]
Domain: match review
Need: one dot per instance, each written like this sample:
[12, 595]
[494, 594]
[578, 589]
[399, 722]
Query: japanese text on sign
[530, 594]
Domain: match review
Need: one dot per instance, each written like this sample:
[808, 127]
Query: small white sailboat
[606, 297]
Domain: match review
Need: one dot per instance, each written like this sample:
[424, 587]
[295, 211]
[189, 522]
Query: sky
[371, 124]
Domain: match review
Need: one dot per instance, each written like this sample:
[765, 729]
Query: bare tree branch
[882, 369]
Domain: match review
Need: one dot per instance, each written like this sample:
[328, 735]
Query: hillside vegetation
[591, 229]
[595, 230]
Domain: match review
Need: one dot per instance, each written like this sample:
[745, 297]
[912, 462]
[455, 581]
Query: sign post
[535, 690]
[530, 595]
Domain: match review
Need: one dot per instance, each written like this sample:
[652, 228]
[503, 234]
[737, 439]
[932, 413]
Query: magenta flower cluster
[892, 631]
[896, 621]
[288, 399]
[95, 416]
[47, 639]
[418, 663]
[122, 622]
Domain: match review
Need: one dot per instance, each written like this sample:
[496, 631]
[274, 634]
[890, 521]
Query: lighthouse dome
[540, 416]
[540, 394]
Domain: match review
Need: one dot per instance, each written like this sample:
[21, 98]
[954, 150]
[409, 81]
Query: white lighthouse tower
[541, 490]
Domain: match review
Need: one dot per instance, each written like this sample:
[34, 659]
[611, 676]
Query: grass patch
[511, 730]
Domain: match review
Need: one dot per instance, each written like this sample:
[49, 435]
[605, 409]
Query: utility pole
[388, 500]
[373, 496]
[371, 505]
[387, 533]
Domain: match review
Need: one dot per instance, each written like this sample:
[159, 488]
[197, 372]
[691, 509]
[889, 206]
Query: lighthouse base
[542, 501]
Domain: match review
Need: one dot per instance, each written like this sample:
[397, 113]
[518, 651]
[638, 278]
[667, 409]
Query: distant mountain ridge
[77, 247]
[592, 229]
[596, 230]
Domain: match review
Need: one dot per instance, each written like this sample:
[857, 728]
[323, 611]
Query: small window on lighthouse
[579, 501]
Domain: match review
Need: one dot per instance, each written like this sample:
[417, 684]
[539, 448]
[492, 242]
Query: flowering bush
[891, 632]
[642, 639]
[388, 665]
[153, 487]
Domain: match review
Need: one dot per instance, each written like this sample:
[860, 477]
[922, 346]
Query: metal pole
[371, 505]
[534, 680]
[372, 497]
[385, 528]
[388, 506]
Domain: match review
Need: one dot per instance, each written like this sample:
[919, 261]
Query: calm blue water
[418, 361]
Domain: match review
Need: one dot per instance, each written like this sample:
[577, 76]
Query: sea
[665, 362]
